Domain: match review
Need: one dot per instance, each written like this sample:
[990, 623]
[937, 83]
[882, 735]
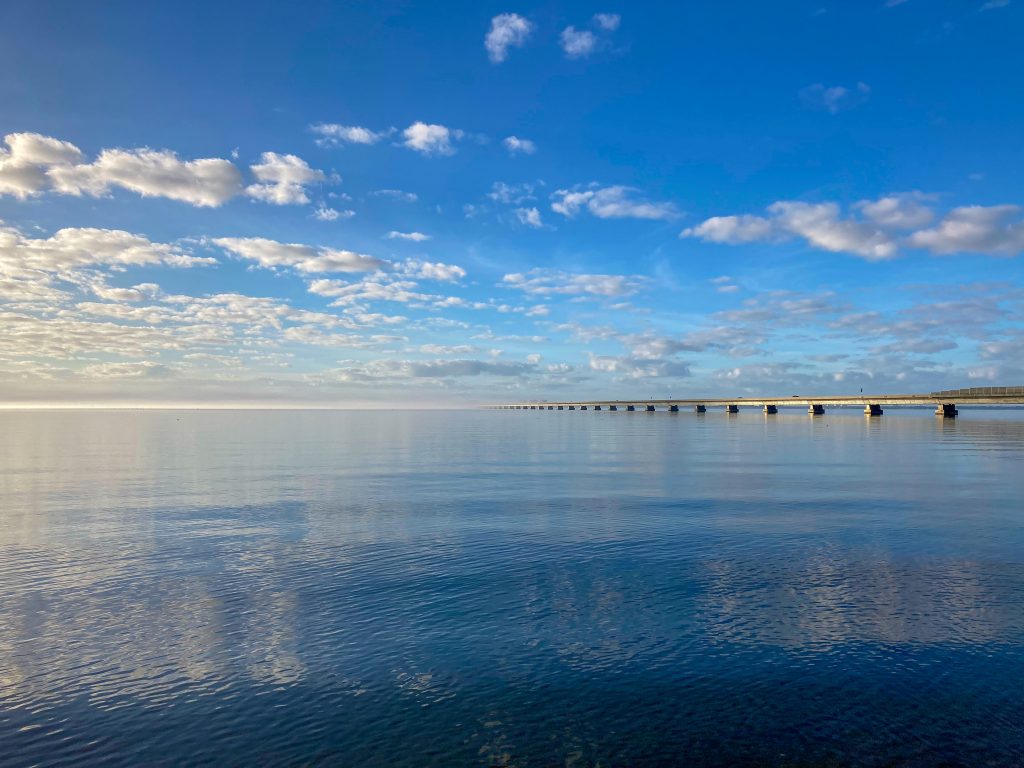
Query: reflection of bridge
[945, 402]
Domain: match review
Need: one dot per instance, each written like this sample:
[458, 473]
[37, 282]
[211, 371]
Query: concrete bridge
[945, 402]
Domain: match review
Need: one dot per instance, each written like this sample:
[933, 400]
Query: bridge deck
[972, 396]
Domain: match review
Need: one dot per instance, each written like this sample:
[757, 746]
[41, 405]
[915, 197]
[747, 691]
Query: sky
[412, 204]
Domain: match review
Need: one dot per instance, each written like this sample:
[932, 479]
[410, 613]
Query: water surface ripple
[511, 588]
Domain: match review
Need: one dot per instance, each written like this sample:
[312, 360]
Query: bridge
[945, 402]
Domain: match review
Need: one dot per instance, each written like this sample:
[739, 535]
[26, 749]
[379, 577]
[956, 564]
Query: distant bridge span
[945, 402]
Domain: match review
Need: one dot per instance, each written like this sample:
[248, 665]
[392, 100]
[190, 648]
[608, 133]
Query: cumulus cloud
[430, 139]
[416, 237]
[823, 228]
[24, 165]
[530, 217]
[283, 179]
[732, 229]
[635, 368]
[997, 230]
[323, 213]
[546, 282]
[515, 145]
[304, 258]
[884, 226]
[511, 194]
[207, 182]
[30, 266]
[508, 30]
[897, 211]
[616, 202]
[577, 43]
[427, 270]
[607, 21]
[835, 99]
[333, 134]
[33, 164]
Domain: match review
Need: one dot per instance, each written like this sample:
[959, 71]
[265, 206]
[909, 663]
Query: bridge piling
[732, 409]
[872, 410]
[770, 409]
[947, 410]
[700, 409]
[816, 410]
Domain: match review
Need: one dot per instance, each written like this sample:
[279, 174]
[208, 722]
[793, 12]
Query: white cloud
[332, 134]
[207, 182]
[991, 5]
[530, 217]
[511, 194]
[633, 368]
[416, 237]
[578, 43]
[429, 139]
[23, 167]
[305, 258]
[376, 370]
[396, 194]
[887, 224]
[283, 179]
[323, 213]
[508, 30]
[820, 224]
[896, 211]
[427, 270]
[616, 202]
[546, 282]
[35, 163]
[731, 229]
[515, 145]
[145, 369]
[607, 21]
[442, 349]
[74, 248]
[997, 230]
[835, 99]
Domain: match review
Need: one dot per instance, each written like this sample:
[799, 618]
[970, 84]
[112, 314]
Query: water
[511, 588]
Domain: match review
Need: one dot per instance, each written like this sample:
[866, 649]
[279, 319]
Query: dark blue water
[511, 588]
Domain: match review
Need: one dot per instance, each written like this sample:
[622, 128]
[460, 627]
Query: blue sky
[425, 204]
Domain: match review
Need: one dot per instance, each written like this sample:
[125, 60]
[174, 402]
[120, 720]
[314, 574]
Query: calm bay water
[511, 588]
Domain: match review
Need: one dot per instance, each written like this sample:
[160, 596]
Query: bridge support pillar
[674, 408]
[561, 407]
[650, 407]
[872, 410]
[946, 410]
[613, 407]
[572, 407]
[700, 409]
[732, 409]
[597, 407]
[771, 409]
[816, 410]
[583, 407]
[630, 407]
